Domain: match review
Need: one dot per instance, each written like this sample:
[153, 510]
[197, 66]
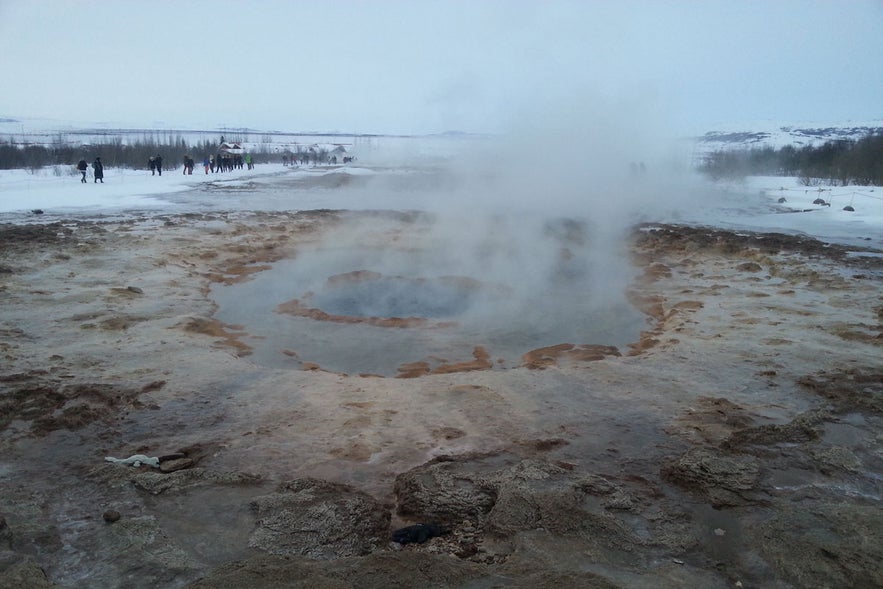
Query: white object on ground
[135, 460]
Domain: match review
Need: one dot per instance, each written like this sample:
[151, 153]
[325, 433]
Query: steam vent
[412, 295]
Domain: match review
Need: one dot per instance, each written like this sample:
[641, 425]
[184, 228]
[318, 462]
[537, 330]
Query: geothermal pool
[388, 295]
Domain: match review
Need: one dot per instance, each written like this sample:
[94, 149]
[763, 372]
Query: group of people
[220, 163]
[154, 164]
[97, 168]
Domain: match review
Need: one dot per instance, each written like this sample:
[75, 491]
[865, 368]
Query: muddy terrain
[736, 442]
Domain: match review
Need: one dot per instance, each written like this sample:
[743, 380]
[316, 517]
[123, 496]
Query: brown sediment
[214, 328]
[550, 355]
[482, 361]
[235, 273]
[851, 389]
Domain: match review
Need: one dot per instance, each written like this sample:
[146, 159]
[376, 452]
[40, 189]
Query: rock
[831, 459]
[25, 574]
[505, 497]
[849, 390]
[802, 428]
[849, 208]
[111, 516]
[379, 570]
[175, 464]
[134, 289]
[831, 545]
[157, 483]
[5, 534]
[437, 491]
[720, 479]
[319, 519]
[749, 267]
[782, 199]
[139, 545]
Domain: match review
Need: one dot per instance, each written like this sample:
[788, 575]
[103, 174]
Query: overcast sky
[420, 66]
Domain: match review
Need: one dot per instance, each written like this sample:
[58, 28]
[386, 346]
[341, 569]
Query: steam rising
[538, 217]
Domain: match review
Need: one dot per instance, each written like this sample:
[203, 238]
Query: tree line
[839, 163]
[114, 153]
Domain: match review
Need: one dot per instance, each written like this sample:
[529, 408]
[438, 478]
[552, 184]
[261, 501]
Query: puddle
[368, 303]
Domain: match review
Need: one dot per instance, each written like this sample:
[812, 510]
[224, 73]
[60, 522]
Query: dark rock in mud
[825, 545]
[720, 479]
[175, 464]
[418, 533]
[319, 519]
[111, 516]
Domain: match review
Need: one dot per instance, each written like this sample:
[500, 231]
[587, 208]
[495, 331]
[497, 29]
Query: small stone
[677, 561]
[177, 464]
[111, 515]
[134, 289]
[719, 532]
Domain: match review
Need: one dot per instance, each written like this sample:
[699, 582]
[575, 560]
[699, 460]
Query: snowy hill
[775, 135]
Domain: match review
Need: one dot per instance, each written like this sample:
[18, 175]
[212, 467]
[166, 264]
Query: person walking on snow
[158, 161]
[206, 163]
[82, 166]
[99, 170]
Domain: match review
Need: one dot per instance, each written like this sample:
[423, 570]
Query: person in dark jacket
[158, 161]
[151, 165]
[99, 170]
[82, 166]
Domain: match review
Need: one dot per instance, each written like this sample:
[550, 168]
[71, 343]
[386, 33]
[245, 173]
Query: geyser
[404, 295]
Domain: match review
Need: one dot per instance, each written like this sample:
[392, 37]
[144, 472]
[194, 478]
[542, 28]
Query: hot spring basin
[373, 307]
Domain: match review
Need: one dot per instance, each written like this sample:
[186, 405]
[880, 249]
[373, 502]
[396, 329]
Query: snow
[59, 187]
[799, 214]
[751, 204]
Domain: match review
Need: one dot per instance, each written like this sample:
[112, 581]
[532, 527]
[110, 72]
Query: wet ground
[371, 305]
[734, 438]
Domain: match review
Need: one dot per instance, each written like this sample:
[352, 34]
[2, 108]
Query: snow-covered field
[749, 204]
[59, 189]
[799, 214]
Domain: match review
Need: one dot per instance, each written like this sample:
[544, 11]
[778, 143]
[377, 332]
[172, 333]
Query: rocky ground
[735, 443]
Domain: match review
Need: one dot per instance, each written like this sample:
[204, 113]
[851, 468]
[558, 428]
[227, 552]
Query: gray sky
[428, 66]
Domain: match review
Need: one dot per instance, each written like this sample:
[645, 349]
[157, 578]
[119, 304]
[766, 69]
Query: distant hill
[777, 136]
